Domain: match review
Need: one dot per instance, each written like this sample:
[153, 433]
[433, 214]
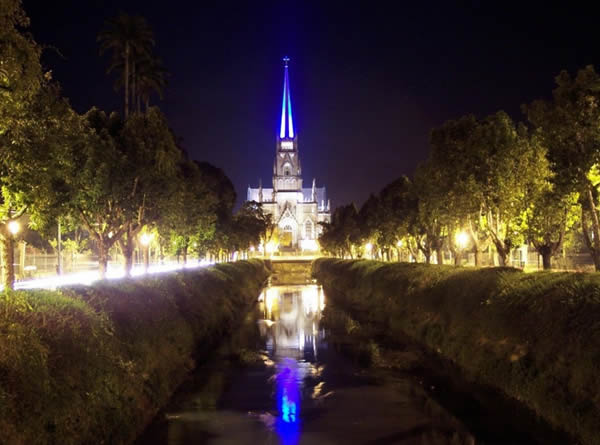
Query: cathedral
[296, 210]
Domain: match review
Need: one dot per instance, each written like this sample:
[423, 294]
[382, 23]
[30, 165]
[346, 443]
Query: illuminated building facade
[296, 210]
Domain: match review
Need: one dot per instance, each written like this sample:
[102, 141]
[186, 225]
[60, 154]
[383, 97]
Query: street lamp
[398, 247]
[145, 239]
[462, 239]
[368, 248]
[14, 227]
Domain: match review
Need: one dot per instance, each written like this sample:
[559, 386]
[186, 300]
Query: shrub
[94, 364]
[534, 336]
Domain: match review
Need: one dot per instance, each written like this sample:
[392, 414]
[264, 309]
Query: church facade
[296, 210]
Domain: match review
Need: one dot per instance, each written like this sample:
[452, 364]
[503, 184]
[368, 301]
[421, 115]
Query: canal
[281, 379]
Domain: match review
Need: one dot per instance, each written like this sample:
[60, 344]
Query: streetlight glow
[146, 238]
[399, 243]
[368, 247]
[462, 239]
[14, 227]
[271, 247]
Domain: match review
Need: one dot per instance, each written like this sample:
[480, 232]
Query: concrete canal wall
[290, 271]
[536, 337]
[94, 364]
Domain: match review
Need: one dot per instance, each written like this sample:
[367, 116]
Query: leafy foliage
[533, 336]
[94, 364]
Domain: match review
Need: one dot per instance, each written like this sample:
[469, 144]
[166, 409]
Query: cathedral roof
[286, 130]
[321, 195]
[267, 195]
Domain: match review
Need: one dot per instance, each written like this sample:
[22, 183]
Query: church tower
[286, 168]
[296, 211]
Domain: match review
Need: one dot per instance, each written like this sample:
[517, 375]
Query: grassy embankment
[94, 364]
[534, 336]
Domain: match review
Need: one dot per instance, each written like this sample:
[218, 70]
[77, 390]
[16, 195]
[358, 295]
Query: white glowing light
[399, 243]
[309, 244]
[310, 299]
[271, 247]
[146, 238]
[287, 145]
[368, 247]
[114, 272]
[462, 239]
[14, 227]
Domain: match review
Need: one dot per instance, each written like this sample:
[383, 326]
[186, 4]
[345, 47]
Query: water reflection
[291, 332]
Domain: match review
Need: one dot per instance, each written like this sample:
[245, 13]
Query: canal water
[280, 380]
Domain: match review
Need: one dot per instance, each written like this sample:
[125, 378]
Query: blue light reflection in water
[290, 329]
[288, 401]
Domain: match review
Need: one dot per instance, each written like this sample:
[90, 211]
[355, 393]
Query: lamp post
[59, 266]
[368, 249]
[462, 239]
[145, 240]
[12, 228]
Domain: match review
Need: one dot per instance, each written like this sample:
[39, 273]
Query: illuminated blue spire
[287, 124]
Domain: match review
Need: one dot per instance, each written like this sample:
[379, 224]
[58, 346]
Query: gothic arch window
[287, 169]
[287, 236]
[308, 229]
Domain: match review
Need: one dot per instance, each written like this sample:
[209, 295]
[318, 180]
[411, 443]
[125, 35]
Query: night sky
[368, 82]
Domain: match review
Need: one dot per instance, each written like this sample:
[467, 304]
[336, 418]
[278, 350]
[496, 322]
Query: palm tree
[151, 78]
[130, 38]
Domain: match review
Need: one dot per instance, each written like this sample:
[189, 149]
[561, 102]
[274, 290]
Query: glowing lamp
[146, 238]
[14, 227]
[309, 244]
[399, 243]
[271, 247]
[462, 239]
[368, 247]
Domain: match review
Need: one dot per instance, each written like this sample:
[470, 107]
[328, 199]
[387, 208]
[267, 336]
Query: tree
[512, 166]
[497, 165]
[451, 149]
[342, 236]
[396, 202]
[569, 128]
[431, 210]
[152, 157]
[99, 185]
[222, 187]
[151, 78]
[550, 216]
[35, 127]
[190, 215]
[130, 39]
[249, 225]
[369, 224]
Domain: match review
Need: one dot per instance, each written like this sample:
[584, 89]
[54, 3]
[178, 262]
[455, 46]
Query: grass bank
[536, 336]
[94, 364]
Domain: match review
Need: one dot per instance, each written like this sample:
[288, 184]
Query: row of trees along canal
[99, 173]
[492, 182]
